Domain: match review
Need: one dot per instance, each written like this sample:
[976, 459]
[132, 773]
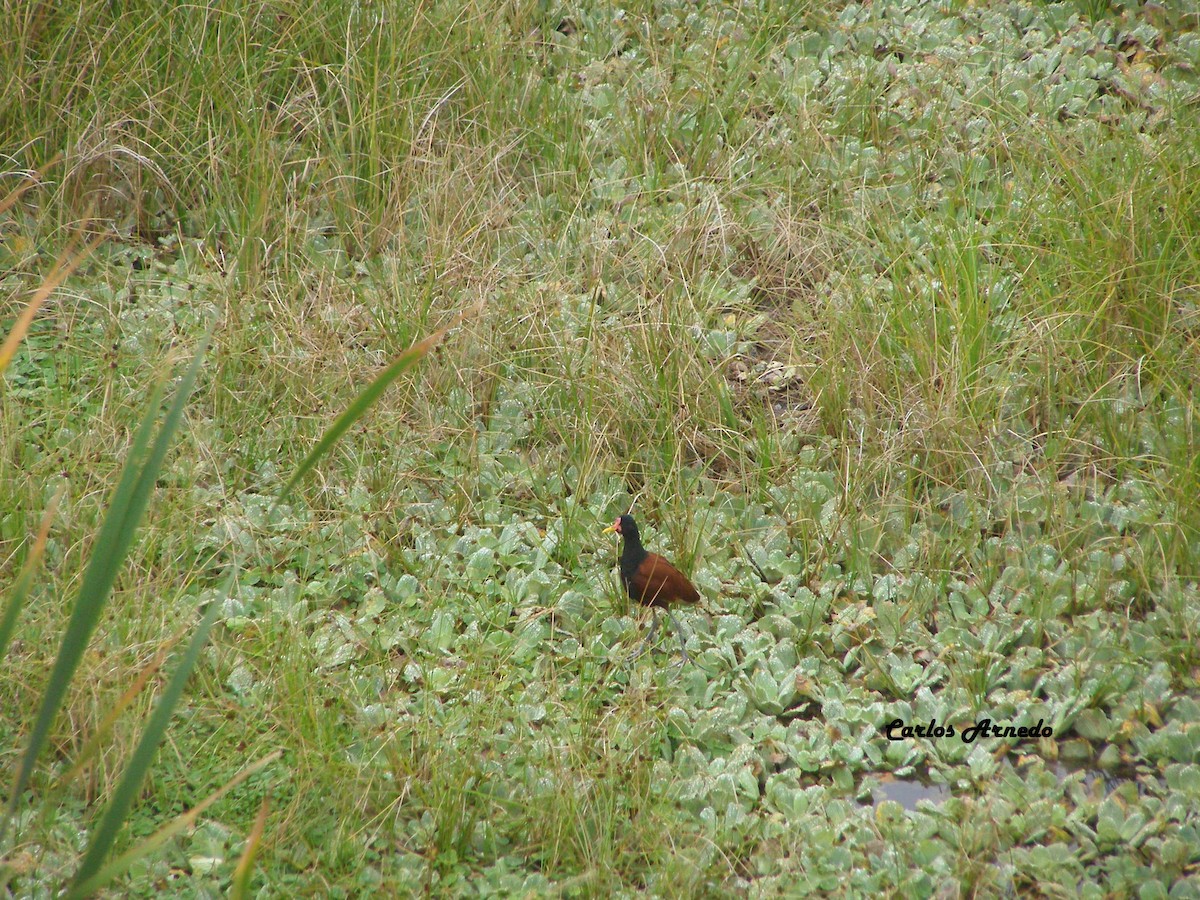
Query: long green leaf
[93, 591]
[65, 265]
[105, 833]
[239, 888]
[125, 511]
[86, 755]
[367, 398]
[172, 828]
[25, 579]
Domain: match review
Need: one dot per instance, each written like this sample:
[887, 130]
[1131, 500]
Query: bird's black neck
[632, 554]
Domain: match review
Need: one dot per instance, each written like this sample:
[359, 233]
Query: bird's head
[624, 526]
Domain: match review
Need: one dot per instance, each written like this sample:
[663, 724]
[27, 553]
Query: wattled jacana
[651, 580]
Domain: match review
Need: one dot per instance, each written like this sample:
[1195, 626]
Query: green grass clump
[882, 316]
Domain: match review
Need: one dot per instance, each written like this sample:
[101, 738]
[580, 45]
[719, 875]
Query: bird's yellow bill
[610, 529]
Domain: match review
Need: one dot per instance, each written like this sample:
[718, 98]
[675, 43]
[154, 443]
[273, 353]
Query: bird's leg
[682, 643]
[649, 638]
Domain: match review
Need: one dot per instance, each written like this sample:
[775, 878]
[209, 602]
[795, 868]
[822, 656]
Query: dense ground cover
[885, 316]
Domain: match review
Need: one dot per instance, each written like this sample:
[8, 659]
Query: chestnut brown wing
[658, 583]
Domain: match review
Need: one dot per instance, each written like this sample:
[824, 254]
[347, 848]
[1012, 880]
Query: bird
[651, 580]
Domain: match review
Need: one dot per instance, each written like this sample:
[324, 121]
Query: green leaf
[105, 834]
[126, 509]
[25, 579]
[367, 399]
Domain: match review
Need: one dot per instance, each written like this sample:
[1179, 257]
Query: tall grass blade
[116, 537]
[105, 833]
[367, 398]
[97, 582]
[62, 268]
[241, 875]
[25, 579]
[91, 747]
[30, 181]
[164, 834]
